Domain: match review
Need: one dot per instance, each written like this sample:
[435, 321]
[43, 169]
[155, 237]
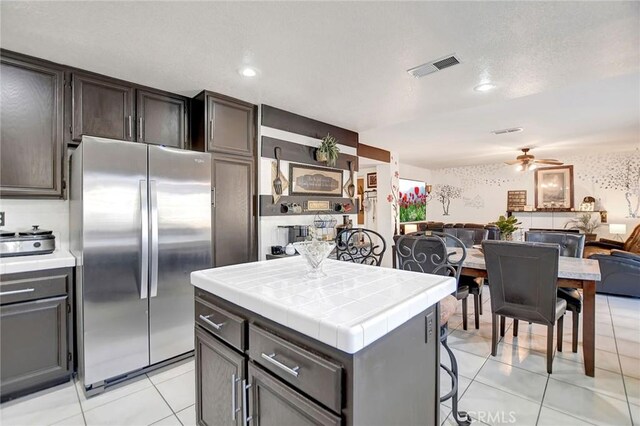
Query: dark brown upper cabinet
[162, 119]
[223, 124]
[31, 123]
[102, 107]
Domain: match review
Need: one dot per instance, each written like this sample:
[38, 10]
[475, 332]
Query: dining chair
[428, 253]
[571, 245]
[471, 236]
[523, 280]
[360, 245]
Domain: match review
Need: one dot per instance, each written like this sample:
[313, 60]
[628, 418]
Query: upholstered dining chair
[360, 245]
[471, 236]
[571, 245]
[428, 253]
[523, 280]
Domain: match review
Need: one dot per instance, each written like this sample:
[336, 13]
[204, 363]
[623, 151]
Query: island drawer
[223, 324]
[316, 376]
[27, 286]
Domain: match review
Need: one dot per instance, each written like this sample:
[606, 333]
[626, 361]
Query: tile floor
[511, 388]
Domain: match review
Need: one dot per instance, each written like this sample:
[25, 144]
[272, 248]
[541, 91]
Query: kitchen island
[358, 347]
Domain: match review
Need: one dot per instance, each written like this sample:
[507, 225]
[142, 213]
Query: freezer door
[180, 218]
[114, 283]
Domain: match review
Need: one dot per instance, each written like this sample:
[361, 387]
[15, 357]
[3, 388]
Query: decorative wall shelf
[284, 206]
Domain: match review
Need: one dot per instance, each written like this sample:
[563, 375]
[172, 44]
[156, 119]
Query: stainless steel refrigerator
[140, 223]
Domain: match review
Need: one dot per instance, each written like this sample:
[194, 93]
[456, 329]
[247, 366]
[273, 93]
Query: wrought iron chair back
[360, 245]
[429, 253]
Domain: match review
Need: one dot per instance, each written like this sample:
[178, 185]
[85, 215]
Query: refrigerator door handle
[144, 240]
[153, 198]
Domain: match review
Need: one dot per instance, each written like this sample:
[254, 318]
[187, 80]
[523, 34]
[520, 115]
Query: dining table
[572, 272]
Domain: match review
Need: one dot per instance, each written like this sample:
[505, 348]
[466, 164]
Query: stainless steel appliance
[140, 222]
[29, 242]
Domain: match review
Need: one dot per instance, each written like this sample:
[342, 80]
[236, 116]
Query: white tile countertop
[568, 267]
[349, 309]
[58, 259]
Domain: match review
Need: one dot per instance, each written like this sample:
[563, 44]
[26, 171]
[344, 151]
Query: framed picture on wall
[554, 188]
[309, 180]
[372, 180]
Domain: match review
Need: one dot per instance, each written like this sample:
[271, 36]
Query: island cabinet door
[272, 403]
[219, 375]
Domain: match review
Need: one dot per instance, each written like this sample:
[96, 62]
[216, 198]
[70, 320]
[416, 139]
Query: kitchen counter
[352, 307]
[58, 259]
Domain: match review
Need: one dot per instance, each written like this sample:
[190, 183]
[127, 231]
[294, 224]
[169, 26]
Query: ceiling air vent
[511, 130]
[433, 66]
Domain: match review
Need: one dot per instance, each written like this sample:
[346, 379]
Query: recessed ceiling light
[484, 87]
[248, 72]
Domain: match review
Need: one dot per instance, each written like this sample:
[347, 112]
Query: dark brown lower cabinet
[218, 384]
[272, 403]
[35, 332]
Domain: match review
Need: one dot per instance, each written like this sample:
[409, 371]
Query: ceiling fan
[527, 161]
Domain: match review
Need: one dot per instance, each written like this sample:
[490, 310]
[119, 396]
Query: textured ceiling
[568, 72]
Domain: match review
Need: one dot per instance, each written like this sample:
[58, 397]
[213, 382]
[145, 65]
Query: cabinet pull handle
[245, 407]
[234, 409]
[140, 138]
[211, 323]
[130, 123]
[210, 130]
[272, 359]
[24, 290]
[213, 196]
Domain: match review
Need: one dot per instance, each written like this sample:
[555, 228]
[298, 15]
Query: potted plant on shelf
[586, 225]
[328, 150]
[507, 226]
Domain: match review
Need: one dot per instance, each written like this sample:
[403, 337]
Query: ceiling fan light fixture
[519, 167]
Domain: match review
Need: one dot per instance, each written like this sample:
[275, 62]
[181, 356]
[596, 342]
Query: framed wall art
[372, 180]
[309, 180]
[554, 188]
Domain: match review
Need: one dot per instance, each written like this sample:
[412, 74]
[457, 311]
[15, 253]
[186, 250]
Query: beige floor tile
[42, 408]
[123, 389]
[516, 381]
[551, 417]
[171, 371]
[627, 333]
[140, 408]
[632, 386]
[187, 416]
[605, 382]
[635, 414]
[180, 391]
[630, 366]
[630, 348]
[468, 364]
[172, 420]
[605, 360]
[524, 358]
[467, 342]
[628, 322]
[494, 406]
[585, 404]
[77, 420]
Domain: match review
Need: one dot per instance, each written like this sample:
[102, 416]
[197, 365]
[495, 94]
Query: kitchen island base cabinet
[292, 379]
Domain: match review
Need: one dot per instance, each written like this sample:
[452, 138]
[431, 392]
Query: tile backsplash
[49, 214]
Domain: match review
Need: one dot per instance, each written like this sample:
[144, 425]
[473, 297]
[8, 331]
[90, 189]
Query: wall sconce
[427, 190]
[618, 229]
